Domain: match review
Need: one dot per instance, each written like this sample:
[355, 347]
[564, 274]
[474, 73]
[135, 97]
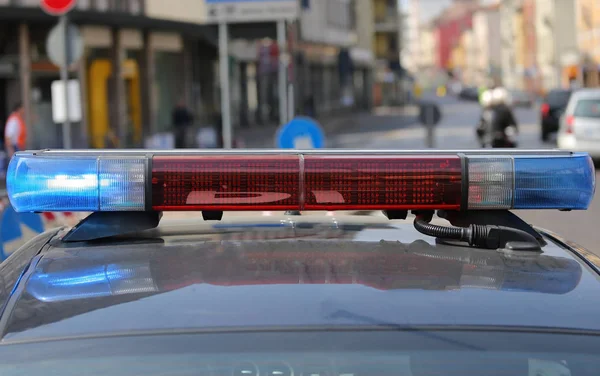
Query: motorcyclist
[503, 120]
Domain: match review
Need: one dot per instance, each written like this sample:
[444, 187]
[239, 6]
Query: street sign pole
[224, 78]
[282, 73]
[429, 116]
[292, 43]
[64, 76]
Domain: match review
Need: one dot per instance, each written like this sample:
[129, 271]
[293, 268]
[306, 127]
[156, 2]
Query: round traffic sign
[57, 7]
[300, 133]
[55, 45]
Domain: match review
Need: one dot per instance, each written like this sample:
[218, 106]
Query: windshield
[558, 98]
[401, 353]
[589, 108]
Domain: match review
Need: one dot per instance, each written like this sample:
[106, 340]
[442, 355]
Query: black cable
[482, 236]
[455, 233]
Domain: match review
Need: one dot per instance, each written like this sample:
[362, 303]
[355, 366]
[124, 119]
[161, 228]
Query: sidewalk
[264, 136]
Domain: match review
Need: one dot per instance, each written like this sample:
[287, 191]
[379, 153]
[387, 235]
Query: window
[339, 13]
[558, 98]
[421, 352]
[589, 108]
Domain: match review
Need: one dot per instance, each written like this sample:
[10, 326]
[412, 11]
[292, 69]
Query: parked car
[469, 93]
[580, 124]
[521, 98]
[551, 109]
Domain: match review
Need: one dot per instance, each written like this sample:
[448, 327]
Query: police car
[446, 281]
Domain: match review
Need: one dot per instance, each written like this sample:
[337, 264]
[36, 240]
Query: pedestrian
[182, 121]
[15, 131]
[310, 107]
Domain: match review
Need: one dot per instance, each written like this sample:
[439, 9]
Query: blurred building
[428, 47]
[588, 39]
[486, 30]
[142, 57]
[512, 43]
[427, 71]
[539, 50]
[336, 62]
[120, 40]
[450, 25]
[363, 55]
[557, 56]
[386, 44]
[411, 46]
[531, 80]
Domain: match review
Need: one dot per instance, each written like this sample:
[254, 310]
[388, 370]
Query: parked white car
[579, 128]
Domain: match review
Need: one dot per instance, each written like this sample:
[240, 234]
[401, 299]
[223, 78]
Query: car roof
[294, 272]
[586, 93]
[560, 91]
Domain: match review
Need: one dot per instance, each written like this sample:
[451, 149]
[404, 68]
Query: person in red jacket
[15, 131]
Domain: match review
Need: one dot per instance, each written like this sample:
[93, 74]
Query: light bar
[298, 180]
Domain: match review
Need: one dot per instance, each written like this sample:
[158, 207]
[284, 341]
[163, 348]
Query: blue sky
[429, 8]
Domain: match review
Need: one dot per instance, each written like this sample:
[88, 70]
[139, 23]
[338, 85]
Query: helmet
[500, 96]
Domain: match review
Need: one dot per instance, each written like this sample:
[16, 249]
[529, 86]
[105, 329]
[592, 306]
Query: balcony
[390, 23]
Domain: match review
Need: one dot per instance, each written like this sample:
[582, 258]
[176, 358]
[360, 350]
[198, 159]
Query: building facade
[587, 14]
[486, 30]
[511, 43]
[336, 63]
[427, 72]
[557, 37]
[451, 24]
[411, 49]
[142, 57]
[124, 50]
[389, 71]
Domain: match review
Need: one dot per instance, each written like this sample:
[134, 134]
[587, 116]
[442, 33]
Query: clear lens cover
[491, 183]
[122, 184]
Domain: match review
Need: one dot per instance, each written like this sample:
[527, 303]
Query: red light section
[326, 182]
[382, 182]
[225, 183]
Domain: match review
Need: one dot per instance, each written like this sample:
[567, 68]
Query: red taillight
[570, 120]
[545, 109]
[306, 183]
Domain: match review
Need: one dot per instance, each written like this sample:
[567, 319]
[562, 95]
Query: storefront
[363, 62]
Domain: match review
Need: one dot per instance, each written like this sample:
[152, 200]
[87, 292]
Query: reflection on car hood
[277, 274]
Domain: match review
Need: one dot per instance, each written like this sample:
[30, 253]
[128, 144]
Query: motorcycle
[505, 139]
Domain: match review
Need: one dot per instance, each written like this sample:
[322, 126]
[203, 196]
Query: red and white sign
[57, 7]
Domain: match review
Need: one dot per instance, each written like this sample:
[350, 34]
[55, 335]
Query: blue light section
[52, 184]
[554, 182]
[39, 183]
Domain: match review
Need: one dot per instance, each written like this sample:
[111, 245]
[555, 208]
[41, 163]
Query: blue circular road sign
[300, 133]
